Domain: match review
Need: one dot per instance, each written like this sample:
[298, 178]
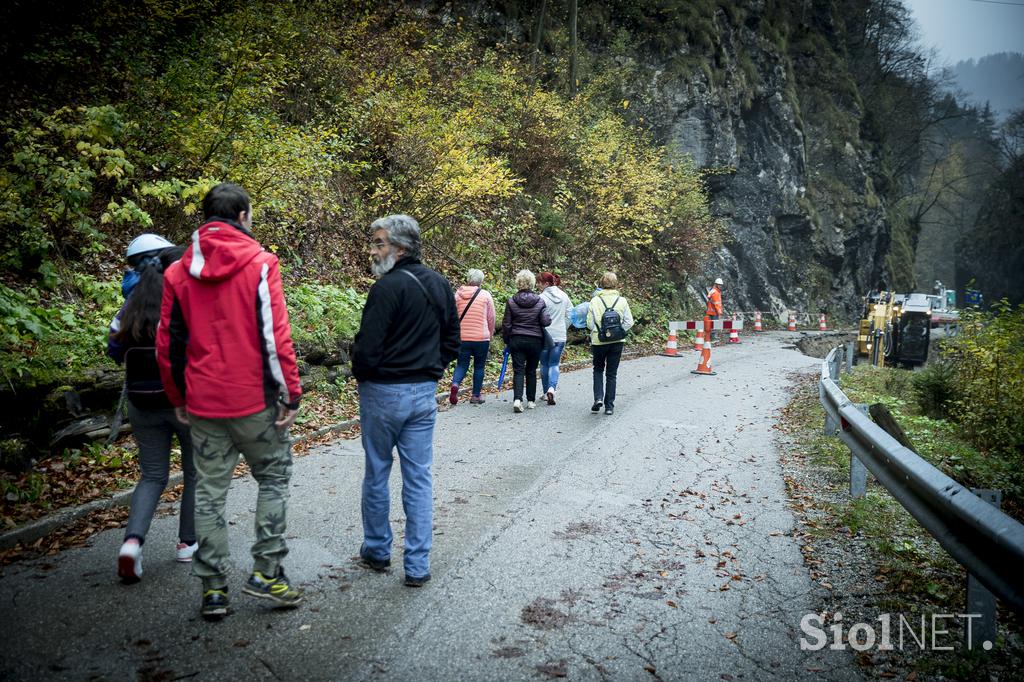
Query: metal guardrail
[983, 539]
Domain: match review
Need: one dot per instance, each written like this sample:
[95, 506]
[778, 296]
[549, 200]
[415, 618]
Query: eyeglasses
[378, 244]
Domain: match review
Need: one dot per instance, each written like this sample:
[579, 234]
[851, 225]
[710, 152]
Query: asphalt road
[652, 544]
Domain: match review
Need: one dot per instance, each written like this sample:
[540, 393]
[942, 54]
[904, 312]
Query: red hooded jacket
[224, 344]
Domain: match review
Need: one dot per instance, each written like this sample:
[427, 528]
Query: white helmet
[146, 242]
[718, 280]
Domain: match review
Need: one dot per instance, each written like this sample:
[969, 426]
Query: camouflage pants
[216, 447]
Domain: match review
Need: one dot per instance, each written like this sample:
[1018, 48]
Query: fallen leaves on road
[559, 668]
[72, 535]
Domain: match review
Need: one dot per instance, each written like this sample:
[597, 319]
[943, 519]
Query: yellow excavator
[895, 329]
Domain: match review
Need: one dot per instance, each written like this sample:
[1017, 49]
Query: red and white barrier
[718, 325]
[734, 333]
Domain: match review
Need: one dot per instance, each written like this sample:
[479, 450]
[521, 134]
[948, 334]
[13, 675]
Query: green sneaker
[276, 589]
[215, 604]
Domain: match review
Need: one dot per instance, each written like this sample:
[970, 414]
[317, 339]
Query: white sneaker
[517, 406]
[184, 552]
[531, 405]
[129, 562]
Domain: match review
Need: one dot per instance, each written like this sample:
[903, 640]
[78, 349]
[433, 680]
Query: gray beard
[383, 266]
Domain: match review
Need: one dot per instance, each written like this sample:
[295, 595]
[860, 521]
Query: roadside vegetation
[331, 114]
[958, 420]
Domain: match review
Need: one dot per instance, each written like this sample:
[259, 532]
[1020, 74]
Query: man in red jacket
[227, 363]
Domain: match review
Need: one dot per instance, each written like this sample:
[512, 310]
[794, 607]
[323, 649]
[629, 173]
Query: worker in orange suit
[715, 310]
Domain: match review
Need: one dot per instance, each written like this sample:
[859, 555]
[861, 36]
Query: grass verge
[871, 555]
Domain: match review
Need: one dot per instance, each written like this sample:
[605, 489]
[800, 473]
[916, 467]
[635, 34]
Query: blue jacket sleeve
[115, 349]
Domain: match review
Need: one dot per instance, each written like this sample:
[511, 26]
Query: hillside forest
[532, 134]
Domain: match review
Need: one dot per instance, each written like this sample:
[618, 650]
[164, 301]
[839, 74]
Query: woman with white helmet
[138, 250]
[131, 341]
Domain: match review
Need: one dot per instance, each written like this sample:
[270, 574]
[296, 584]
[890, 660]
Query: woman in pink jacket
[476, 321]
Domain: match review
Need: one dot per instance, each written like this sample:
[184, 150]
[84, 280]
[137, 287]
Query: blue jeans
[153, 430]
[402, 416]
[477, 350]
[549, 361]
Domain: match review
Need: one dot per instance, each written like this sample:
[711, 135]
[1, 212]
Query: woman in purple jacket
[522, 328]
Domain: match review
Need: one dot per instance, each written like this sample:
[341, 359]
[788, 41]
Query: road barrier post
[980, 601]
[835, 366]
[858, 472]
[849, 357]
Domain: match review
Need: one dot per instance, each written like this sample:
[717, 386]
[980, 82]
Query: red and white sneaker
[129, 562]
[184, 552]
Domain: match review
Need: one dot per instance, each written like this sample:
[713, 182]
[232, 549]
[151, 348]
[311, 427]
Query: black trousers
[606, 369]
[525, 352]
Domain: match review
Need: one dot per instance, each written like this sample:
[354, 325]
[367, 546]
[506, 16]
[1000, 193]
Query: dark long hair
[142, 311]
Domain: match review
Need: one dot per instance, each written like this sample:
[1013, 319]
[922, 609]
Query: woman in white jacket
[558, 305]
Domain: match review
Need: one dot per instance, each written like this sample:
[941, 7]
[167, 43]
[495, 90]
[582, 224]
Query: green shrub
[988, 377]
[934, 390]
[46, 339]
[322, 315]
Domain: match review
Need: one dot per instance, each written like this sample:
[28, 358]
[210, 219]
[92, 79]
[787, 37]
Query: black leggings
[525, 352]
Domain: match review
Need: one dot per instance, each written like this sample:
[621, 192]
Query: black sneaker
[609, 410]
[411, 581]
[596, 407]
[379, 565]
[215, 604]
[276, 589]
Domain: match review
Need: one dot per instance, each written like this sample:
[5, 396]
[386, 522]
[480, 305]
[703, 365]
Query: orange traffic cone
[671, 345]
[704, 366]
[734, 333]
[698, 343]
[757, 321]
[792, 323]
[822, 325]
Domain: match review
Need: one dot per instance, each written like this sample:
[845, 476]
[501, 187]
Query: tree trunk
[538, 36]
[573, 75]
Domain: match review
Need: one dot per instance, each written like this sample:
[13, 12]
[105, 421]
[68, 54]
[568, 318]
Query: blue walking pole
[504, 366]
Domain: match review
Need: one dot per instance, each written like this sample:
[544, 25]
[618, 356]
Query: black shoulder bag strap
[430, 300]
[466, 309]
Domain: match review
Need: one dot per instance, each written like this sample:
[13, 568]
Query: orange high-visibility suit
[714, 303]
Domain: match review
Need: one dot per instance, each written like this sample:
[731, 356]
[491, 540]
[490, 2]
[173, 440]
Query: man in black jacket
[408, 334]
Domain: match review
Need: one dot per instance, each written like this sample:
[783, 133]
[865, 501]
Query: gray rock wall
[806, 230]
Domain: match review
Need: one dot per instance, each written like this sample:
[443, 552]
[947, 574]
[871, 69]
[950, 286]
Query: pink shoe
[183, 552]
[129, 562]
[453, 394]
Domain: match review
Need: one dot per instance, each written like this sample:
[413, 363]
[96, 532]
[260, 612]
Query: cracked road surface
[653, 544]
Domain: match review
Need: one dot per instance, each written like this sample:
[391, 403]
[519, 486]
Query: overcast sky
[962, 29]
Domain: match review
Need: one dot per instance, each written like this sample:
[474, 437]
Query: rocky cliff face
[807, 231]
